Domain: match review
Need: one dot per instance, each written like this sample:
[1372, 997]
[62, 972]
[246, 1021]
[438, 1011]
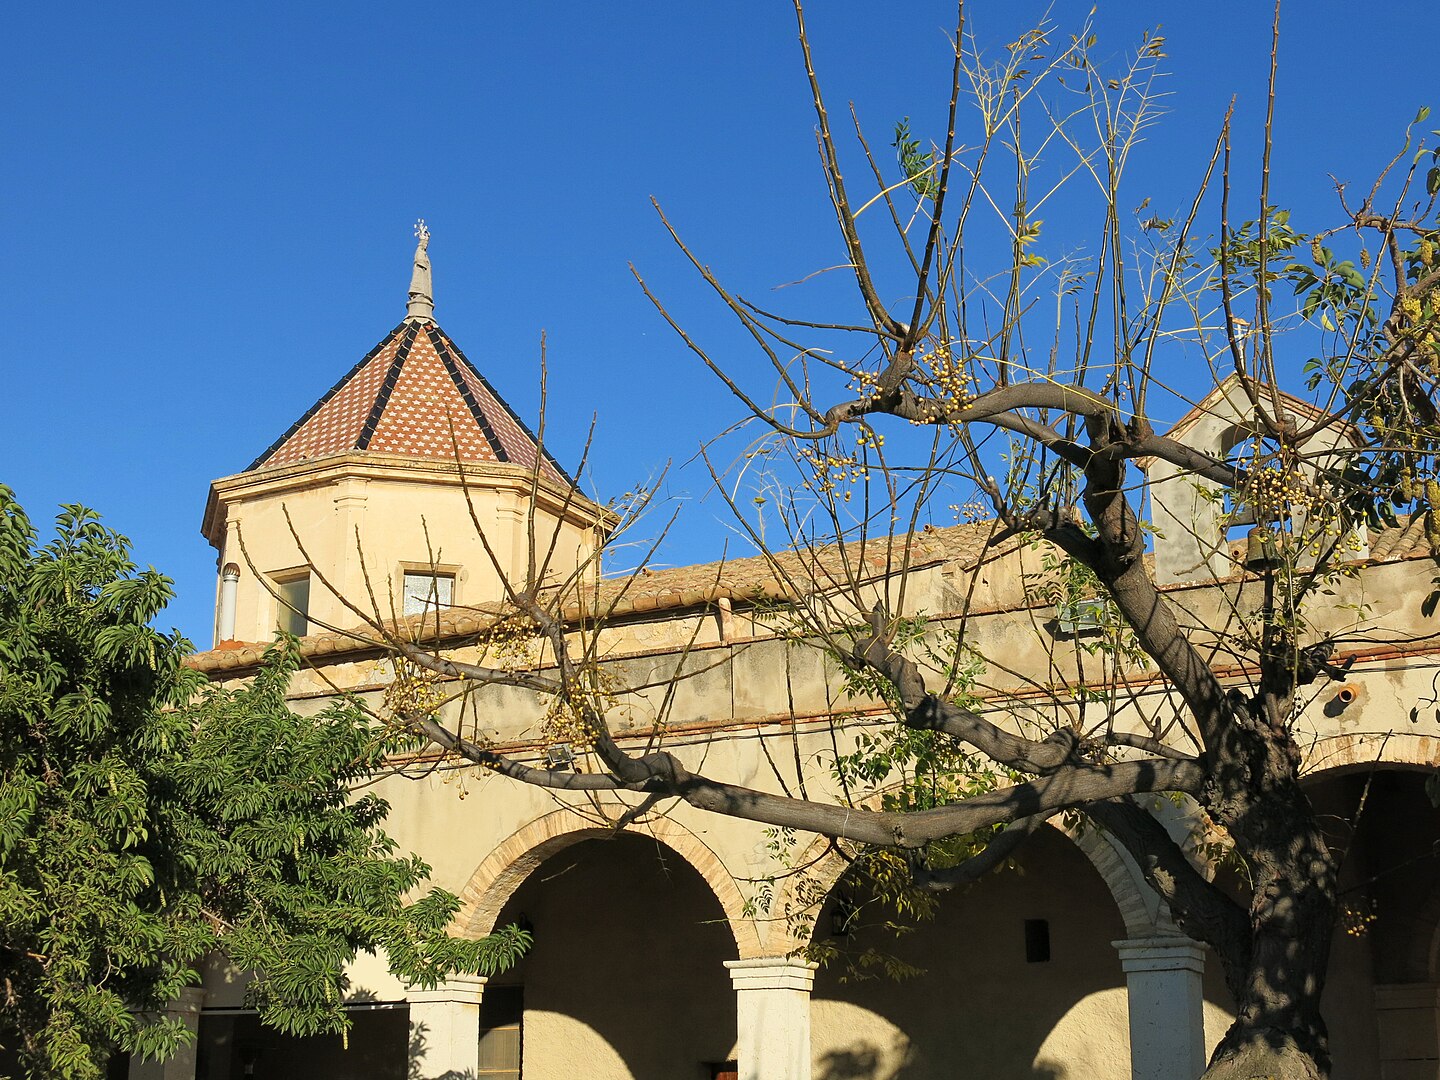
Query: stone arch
[507, 867]
[1363, 749]
[1145, 915]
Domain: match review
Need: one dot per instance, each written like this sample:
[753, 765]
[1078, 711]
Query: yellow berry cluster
[864, 383]
[509, 643]
[414, 691]
[970, 511]
[1274, 493]
[566, 719]
[1357, 918]
[950, 383]
[830, 471]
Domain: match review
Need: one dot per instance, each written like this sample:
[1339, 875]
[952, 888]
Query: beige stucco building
[668, 949]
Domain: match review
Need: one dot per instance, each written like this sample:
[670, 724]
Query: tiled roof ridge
[459, 355]
[448, 361]
[325, 398]
[749, 579]
[387, 387]
[1407, 538]
[679, 587]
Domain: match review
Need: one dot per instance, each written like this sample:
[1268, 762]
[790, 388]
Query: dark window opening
[1037, 941]
[236, 1046]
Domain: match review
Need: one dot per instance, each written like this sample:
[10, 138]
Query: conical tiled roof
[413, 394]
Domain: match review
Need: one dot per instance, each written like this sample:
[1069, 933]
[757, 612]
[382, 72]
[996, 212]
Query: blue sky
[206, 209]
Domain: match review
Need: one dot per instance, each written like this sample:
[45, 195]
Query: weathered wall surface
[624, 950]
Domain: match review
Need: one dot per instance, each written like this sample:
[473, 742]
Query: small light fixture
[1261, 548]
[559, 756]
[1076, 617]
[843, 917]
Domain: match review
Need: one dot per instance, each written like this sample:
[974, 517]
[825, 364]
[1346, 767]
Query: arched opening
[1381, 996]
[626, 978]
[1021, 981]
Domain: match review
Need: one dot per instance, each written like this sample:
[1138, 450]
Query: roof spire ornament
[422, 296]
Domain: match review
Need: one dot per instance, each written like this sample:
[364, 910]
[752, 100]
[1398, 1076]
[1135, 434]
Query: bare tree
[1016, 382]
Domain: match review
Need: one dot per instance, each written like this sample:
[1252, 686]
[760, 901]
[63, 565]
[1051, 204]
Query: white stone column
[445, 1029]
[182, 1065]
[772, 1010]
[1167, 1018]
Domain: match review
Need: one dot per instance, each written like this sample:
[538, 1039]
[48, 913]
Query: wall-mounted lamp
[1076, 617]
[1261, 548]
[559, 756]
[843, 916]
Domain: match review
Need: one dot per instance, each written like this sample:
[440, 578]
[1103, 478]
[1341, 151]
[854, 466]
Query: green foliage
[147, 819]
[918, 165]
[902, 769]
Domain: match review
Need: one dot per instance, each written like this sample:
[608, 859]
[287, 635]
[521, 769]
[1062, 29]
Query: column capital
[772, 973]
[1169, 953]
[191, 1000]
[459, 989]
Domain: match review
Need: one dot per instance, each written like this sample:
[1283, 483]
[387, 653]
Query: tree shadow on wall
[419, 1044]
[866, 1062]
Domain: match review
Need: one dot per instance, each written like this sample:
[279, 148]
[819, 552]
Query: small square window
[1037, 941]
[425, 591]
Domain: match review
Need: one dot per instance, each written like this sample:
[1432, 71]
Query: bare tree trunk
[1278, 1031]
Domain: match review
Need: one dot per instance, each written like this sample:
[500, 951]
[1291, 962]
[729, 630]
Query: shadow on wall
[867, 1062]
[627, 973]
[989, 1001]
[419, 1044]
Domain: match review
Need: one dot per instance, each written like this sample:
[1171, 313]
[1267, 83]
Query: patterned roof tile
[414, 394]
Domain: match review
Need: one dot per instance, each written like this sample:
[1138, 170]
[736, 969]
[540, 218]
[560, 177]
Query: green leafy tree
[147, 820]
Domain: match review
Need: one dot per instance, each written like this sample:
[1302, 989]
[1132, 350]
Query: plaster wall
[409, 516]
[754, 710]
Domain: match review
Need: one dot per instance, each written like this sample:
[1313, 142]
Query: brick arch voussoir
[502, 872]
[1364, 749]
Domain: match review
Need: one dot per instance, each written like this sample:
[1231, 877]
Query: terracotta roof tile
[1404, 540]
[750, 579]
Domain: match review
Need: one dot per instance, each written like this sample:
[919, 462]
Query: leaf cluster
[147, 820]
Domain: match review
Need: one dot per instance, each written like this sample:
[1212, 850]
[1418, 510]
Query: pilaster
[772, 1011]
[182, 1066]
[445, 1029]
[1167, 1018]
